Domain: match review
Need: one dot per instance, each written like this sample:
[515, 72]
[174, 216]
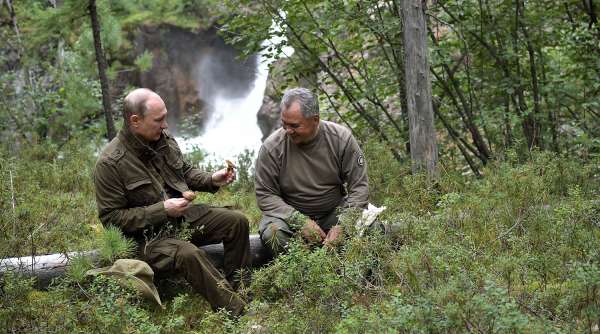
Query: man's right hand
[176, 206]
[313, 232]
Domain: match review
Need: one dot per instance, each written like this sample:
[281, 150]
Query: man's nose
[165, 125]
[288, 130]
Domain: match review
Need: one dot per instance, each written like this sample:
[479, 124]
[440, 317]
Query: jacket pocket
[141, 193]
[131, 186]
[175, 163]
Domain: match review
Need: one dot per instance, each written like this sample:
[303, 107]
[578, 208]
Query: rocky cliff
[188, 70]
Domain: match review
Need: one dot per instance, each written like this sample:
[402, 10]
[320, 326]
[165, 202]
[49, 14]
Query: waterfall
[232, 128]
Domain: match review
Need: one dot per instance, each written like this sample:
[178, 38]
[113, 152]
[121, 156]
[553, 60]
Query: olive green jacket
[129, 195]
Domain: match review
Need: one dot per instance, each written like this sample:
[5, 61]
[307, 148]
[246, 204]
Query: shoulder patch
[360, 160]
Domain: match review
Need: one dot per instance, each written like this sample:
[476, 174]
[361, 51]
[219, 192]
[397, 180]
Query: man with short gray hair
[305, 171]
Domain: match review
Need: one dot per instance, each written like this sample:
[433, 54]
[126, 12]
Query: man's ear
[134, 120]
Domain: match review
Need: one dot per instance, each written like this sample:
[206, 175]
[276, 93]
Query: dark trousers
[215, 225]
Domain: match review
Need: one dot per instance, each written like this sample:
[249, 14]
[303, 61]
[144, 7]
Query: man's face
[300, 130]
[150, 125]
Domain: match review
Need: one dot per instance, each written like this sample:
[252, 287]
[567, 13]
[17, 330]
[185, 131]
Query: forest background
[504, 239]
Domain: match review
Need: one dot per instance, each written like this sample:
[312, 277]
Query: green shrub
[513, 251]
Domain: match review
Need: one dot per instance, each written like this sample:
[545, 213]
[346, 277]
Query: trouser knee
[274, 234]
[189, 256]
[238, 222]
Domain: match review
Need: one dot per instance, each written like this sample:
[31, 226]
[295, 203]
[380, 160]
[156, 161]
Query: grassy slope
[516, 251]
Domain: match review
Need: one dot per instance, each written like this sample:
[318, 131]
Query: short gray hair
[307, 100]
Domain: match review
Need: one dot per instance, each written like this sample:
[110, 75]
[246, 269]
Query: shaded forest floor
[517, 250]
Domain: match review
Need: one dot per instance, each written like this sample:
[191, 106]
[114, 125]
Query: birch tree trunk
[423, 147]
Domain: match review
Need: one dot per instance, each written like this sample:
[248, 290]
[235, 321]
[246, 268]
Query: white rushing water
[232, 127]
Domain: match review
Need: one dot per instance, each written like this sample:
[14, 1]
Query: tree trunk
[535, 118]
[46, 267]
[23, 84]
[101, 61]
[423, 147]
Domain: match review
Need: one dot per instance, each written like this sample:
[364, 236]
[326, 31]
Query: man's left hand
[334, 236]
[223, 177]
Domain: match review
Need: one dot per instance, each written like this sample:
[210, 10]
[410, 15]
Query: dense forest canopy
[504, 237]
[505, 73]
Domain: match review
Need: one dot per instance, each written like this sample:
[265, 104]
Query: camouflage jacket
[132, 180]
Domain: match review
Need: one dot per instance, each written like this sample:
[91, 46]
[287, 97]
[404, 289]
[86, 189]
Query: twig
[84, 292]
[12, 194]
[519, 220]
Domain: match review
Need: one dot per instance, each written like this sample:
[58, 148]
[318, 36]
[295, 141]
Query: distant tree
[423, 146]
[101, 61]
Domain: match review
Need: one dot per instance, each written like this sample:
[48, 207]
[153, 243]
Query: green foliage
[52, 193]
[144, 61]
[115, 245]
[505, 74]
[15, 311]
[245, 178]
[97, 305]
[514, 251]
[78, 266]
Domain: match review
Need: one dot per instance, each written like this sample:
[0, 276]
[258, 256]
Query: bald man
[140, 180]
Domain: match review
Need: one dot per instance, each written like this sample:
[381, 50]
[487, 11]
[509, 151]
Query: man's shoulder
[113, 152]
[275, 140]
[336, 131]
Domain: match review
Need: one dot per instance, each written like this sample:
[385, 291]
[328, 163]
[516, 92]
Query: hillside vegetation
[507, 239]
[514, 251]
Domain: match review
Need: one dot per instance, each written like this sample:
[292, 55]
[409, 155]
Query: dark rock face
[189, 69]
[268, 115]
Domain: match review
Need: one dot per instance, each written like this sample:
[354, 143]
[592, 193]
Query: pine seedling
[115, 245]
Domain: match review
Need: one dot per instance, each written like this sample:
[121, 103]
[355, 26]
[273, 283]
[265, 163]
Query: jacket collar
[139, 147]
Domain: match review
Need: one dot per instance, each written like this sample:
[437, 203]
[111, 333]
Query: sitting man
[143, 187]
[302, 173]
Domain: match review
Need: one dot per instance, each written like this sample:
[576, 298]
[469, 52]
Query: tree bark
[535, 121]
[47, 267]
[101, 61]
[423, 147]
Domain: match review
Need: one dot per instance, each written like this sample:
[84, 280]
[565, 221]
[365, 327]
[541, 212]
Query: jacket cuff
[210, 187]
[156, 213]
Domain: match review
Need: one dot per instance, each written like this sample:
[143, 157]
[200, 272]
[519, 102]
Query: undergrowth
[514, 251]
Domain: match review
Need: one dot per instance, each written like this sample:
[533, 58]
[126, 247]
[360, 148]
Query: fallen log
[47, 267]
